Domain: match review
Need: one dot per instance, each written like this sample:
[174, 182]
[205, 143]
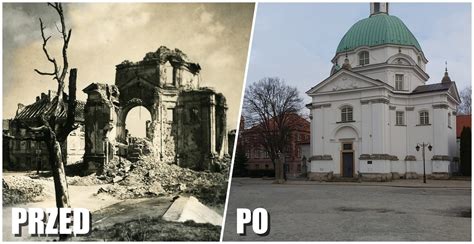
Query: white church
[369, 115]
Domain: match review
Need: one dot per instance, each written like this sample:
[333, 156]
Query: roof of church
[433, 87]
[377, 30]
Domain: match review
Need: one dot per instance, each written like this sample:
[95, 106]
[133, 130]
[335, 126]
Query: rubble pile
[138, 147]
[150, 177]
[21, 189]
[88, 180]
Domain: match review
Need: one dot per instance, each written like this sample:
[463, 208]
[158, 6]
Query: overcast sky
[103, 35]
[297, 41]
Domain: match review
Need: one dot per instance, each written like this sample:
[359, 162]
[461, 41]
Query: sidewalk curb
[386, 185]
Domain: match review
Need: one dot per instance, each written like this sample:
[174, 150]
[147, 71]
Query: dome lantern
[377, 8]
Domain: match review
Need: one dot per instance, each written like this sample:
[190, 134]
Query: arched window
[424, 118]
[363, 58]
[419, 61]
[346, 114]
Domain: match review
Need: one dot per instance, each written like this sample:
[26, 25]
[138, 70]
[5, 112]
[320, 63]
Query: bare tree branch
[269, 105]
[46, 53]
[465, 106]
[56, 132]
[45, 73]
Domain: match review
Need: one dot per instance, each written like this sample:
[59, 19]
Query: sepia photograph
[356, 124]
[119, 119]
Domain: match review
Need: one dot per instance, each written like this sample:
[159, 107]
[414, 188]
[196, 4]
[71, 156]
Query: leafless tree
[54, 129]
[465, 106]
[269, 108]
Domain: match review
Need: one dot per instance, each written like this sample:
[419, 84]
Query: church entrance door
[347, 154]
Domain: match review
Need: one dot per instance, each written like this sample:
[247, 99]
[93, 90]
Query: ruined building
[188, 122]
[22, 149]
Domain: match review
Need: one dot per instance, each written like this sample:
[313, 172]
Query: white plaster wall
[398, 167]
[387, 75]
[440, 166]
[452, 145]
[417, 166]
[377, 166]
[317, 131]
[321, 166]
[380, 54]
[440, 126]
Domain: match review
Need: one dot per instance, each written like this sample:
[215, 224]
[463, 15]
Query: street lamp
[423, 145]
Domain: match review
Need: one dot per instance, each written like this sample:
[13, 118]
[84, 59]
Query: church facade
[373, 110]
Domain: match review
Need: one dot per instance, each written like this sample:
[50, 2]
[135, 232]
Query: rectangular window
[363, 58]
[400, 118]
[424, 118]
[346, 114]
[347, 146]
[399, 82]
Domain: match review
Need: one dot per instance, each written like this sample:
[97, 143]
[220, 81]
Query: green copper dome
[377, 30]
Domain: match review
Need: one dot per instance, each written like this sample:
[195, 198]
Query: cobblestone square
[393, 211]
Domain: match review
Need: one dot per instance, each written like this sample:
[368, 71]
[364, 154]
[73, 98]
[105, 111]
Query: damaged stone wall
[200, 129]
[188, 123]
[100, 118]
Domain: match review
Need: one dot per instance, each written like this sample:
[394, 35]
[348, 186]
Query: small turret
[446, 78]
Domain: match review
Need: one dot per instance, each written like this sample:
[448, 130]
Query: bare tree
[465, 106]
[54, 129]
[269, 108]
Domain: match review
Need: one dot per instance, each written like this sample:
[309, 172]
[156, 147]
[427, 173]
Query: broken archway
[188, 122]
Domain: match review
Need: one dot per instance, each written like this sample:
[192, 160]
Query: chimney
[20, 108]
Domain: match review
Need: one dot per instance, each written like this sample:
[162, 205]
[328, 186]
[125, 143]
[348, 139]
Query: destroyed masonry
[187, 127]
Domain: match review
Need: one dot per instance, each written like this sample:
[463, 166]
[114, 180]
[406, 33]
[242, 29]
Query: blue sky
[297, 41]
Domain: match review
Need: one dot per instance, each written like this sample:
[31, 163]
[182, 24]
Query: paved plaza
[395, 211]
